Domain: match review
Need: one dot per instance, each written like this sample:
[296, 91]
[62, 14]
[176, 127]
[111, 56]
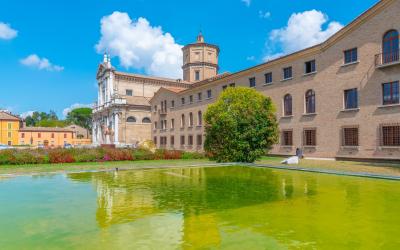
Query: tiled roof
[137, 100]
[8, 116]
[44, 129]
[177, 81]
[175, 89]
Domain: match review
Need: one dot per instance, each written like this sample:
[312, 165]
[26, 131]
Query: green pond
[199, 208]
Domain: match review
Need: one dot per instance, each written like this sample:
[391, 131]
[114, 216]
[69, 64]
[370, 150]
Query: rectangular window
[129, 92]
[268, 78]
[52, 135]
[9, 135]
[172, 123]
[155, 140]
[155, 125]
[224, 87]
[252, 82]
[310, 137]
[350, 99]
[199, 140]
[390, 93]
[190, 140]
[182, 140]
[209, 94]
[9, 143]
[309, 67]
[39, 135]
[197, 75]
[287, 138]
[350, 136]
[287, 73]
[22, 135]
[191, 99]
[183, 100]
[199, 96]
[65, 135]
[232, 85]
[173, 104]
[155, 108]
[350, 56]
[172, 140]
[390, 135]
[9, 126]
[182, 121]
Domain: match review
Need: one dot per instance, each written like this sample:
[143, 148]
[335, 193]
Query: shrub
[88, 155]
[172, 154]
[241, 126]
[111, 154]
[143, 154]
[61, 156]
[7, 157]
[192, 155]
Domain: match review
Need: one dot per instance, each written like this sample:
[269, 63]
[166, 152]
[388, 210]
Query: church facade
[337, 99]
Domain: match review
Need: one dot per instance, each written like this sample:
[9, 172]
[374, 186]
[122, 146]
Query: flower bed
[41, 156]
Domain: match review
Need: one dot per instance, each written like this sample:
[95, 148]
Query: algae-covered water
[199, 208]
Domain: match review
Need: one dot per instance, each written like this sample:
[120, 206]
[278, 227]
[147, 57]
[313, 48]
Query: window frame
[286, 111]
[313, 67]
[346, 99]
[392, 100]
[127, 91]
[349, 54]
[287, 141]
[306, 102]
[394, 139]
[252, 82]
[345, 140]
[313, 139]
[285, 70]
[268, 78]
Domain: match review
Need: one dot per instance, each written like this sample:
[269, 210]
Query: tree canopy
[81, 117]
[43, 119]
[241, 126]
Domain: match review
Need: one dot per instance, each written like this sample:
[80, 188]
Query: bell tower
[200, 60]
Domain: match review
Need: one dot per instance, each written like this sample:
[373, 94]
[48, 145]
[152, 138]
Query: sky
[50, 50]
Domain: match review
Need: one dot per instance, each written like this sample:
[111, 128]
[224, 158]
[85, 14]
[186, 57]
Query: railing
[162, 112]
[388, 58]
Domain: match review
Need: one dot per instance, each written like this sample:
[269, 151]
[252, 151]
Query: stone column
[116, 128]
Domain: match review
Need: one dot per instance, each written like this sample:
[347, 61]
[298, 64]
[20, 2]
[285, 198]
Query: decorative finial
[200, 37]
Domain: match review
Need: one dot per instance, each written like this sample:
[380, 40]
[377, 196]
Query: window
[163, 124]
[22, 135]
[310, 102]
[287, 105]
[350, 99]
[131, 119]
[190, 119]
[129, 92]
[350, 136]
[155, 108]
[182, 121]
[197, 75]
[310, 137]
[199, 140]
[309, 67]
[155, 140]
[191, 99]
[232, 85]
[9, 126]
[172, 140]
[39, 135]
[146, 120]
[268, 78]
[199, 118]
[163, 141]
[390, 93]
[287, 138]
[183, 100]
[287, 73]
[65, 136]
[52, 135]
[172, 123]
[9, 135]
[182, 140]
[173, 104]
[199, 96]
[390, 46]
[252, 82]
[350, 56]
[9, 143]
[224, 87]
[209, 94]
[155, 125]
[190, 140]
[390, 135]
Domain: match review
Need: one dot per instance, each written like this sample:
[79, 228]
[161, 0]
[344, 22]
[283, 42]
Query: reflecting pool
[199, 208]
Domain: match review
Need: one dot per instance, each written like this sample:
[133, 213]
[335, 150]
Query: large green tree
[241, 126]
[81, 117]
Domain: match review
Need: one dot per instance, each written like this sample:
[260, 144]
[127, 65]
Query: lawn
[344, 166]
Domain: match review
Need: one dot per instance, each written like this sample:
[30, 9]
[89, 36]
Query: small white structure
[291, 160]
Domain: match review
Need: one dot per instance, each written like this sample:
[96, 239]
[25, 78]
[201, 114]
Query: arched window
[182, 121]
[390, 46]
[310, 102]
[199, 118]
[287, 105]
[146, 120]
[131, 119]
[190, 119]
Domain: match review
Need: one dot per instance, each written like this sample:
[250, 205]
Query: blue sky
[66, 32]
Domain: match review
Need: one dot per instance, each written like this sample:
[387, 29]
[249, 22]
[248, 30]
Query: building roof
[8, 116]
[175, 89]
[170, 80]
[44, 129]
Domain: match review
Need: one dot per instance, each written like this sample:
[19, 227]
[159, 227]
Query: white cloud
[303, 30]
[26, 114]
[75, 106]
[250, 58]
[6, 32]
[34, 61]
[139, 45]
[264, 14]
[247, 2]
